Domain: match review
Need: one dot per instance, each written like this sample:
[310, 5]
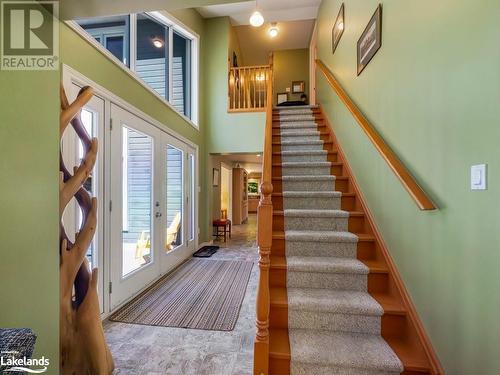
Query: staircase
[335, 305]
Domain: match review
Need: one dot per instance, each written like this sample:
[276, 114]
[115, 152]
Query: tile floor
[147, 350]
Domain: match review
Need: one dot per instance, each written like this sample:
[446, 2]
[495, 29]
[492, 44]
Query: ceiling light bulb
[158, 43]
[273, 32]
[256, 19]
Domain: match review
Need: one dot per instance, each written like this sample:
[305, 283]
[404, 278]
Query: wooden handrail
[264, 239]
[402, 173]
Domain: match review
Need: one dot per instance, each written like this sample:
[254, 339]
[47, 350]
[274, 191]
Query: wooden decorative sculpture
[83, 348]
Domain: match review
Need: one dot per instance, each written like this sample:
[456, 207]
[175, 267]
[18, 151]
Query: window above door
[155, 49]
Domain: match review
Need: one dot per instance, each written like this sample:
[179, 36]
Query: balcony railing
[247, 88]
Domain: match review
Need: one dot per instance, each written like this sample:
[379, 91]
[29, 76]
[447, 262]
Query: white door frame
[72, 77]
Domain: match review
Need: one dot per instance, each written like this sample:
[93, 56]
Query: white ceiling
[255, 43]
[252, 163]
[272, 10]
[75, 9]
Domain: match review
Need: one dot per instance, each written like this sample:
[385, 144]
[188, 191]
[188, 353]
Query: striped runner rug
[200, 294]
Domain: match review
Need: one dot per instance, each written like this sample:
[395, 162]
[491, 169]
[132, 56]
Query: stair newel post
[264, 241]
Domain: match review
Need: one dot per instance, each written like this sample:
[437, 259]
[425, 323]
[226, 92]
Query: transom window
[162, 53]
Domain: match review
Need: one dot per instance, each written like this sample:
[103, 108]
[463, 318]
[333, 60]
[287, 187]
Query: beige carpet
[201, 294]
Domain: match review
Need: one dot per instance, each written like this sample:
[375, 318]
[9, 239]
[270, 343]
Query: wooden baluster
[254, 86]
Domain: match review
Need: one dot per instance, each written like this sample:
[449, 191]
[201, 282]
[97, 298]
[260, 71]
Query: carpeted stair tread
[344, 350]
[302, 152]
[290, 212]
[326, 265]
[299, 125]
[302, 142]
[333, 301]
[320, 236]
[299, 133]
[298, 117]
[295, 107]
[302, 164]
[312, 194]
[308, 178]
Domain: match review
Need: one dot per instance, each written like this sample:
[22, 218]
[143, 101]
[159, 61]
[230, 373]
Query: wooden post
[83, 348]
[264, 241]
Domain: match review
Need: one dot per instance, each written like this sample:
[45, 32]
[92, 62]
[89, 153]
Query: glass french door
[152, 222]
[134, 206]
[178, 201]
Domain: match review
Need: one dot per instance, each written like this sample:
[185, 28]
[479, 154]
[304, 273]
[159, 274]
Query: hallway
[139, 349]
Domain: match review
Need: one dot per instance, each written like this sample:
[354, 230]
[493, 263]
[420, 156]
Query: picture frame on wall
[298, 87]
[338, 28]
[281, 97]
[215, 177]
[370, 40]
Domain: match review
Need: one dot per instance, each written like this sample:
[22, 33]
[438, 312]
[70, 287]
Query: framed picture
[282, 97]
[298, 87]
[338, 28]
[371, 40]
[215, 177]
[253, 188]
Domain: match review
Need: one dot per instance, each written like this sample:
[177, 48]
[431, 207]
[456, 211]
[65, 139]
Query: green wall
[290, 65]
[226, 132]
[29, 207]
[432, 91]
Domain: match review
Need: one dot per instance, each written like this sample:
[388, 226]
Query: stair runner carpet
[334, 324]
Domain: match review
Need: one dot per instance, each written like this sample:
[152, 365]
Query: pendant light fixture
[273, 30]
[256, 19]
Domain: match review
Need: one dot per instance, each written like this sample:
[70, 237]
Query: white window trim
[174, 24]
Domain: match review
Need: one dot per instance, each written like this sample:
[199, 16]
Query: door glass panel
[191, 189]
[137, 164]
[89, 120]
[175, 196]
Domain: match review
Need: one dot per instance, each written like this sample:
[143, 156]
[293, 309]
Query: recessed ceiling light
[273, 31]
[256, 19]
[158, 43]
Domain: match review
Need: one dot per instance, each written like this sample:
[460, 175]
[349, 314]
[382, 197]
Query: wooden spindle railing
[265, 239]
[247, 88]
[402, 173]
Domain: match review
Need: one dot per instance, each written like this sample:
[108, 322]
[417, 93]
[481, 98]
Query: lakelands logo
[30, 35]
[11, 363]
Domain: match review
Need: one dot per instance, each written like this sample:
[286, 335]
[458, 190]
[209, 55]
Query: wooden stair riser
[278, 317]
[279, 366]
[277, 277]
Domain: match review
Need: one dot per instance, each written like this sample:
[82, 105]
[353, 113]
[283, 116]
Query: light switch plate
[478, 177]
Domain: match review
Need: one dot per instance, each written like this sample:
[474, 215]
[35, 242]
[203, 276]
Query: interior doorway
[226, 190]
